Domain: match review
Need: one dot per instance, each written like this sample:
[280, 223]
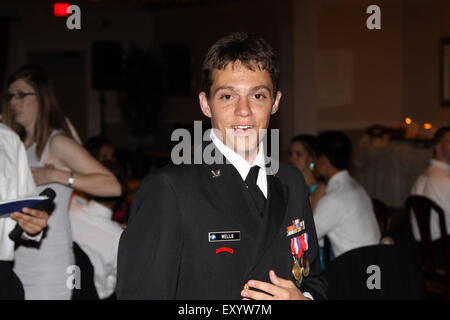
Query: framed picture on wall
[445, 72]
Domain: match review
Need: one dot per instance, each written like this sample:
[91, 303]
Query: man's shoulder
[9, 142]
[349, 188]
[3, 127]
[288, 172]
[175, 171]
[431, 179]
[8, 133]
[291, 176]
[172, 174]
[436, 173]
[343, 190]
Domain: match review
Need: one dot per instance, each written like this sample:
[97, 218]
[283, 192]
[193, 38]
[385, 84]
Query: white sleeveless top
[43, 270]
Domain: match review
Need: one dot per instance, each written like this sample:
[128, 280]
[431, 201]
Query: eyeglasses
[19, 95]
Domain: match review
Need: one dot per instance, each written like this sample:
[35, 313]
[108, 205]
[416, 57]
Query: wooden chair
[437, 279]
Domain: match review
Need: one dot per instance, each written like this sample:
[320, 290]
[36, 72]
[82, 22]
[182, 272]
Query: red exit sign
[60, 9]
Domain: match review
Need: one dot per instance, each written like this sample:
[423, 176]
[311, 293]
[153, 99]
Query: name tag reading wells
[224, 236]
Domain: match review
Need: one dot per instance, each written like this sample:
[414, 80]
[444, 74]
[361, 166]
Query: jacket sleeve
[150, 248]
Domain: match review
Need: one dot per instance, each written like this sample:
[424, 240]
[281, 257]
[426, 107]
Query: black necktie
[256, 193]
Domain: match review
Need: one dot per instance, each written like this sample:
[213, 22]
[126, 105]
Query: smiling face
[239, 105]
[24, 110]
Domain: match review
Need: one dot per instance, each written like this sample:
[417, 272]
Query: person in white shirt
[434, 183]
[16, 182]
[344, 213]
[98, 235]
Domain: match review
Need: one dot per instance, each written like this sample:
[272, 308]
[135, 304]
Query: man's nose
[243, 108]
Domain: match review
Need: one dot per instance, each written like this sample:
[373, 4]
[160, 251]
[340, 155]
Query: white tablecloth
[388, 171]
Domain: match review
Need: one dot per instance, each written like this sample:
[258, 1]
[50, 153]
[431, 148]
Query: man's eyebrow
[261, 87]
[233, 89]
[223, 88]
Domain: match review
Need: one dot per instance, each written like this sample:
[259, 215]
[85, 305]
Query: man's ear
[204, 105]
[437, 150]
[276, 103]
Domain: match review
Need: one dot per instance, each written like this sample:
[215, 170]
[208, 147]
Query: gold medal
[305, 266]
[297, 270]
[246, 286]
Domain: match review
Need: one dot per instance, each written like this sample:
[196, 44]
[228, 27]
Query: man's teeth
[243, 127]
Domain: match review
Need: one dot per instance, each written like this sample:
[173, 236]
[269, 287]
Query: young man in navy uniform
[227, 230]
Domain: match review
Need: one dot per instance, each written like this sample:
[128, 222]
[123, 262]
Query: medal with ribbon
[299, 245]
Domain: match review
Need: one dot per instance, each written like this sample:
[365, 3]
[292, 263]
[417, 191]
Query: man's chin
[247, 151]
[242, 144]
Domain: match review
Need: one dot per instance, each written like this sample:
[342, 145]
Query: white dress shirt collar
[241, 165]
[335, 180]
[440, 164]
[236, 160]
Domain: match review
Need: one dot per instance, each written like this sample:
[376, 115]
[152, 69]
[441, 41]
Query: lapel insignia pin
[271, 173]
[216, 173]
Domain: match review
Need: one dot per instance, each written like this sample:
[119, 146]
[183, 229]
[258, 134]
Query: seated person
[98, 235]
[101, 148]
[434, 183]
[344, 214]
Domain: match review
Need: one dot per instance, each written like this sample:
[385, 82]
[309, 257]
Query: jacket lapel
[276, 209]
[228, 190]
[273, 218]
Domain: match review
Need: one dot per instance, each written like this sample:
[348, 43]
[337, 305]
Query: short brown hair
[440, 133]
[249, 49]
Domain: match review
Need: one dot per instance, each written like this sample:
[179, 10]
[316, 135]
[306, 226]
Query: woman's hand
[43, 175]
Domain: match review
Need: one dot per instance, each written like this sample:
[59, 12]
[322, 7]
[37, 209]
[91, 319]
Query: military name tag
[224, 236]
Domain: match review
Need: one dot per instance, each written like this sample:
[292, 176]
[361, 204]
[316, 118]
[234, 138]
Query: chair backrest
[382, 214]
[422, 208]
[376, 272]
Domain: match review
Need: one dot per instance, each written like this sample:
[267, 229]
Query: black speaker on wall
[106, 65]
[4, 46]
